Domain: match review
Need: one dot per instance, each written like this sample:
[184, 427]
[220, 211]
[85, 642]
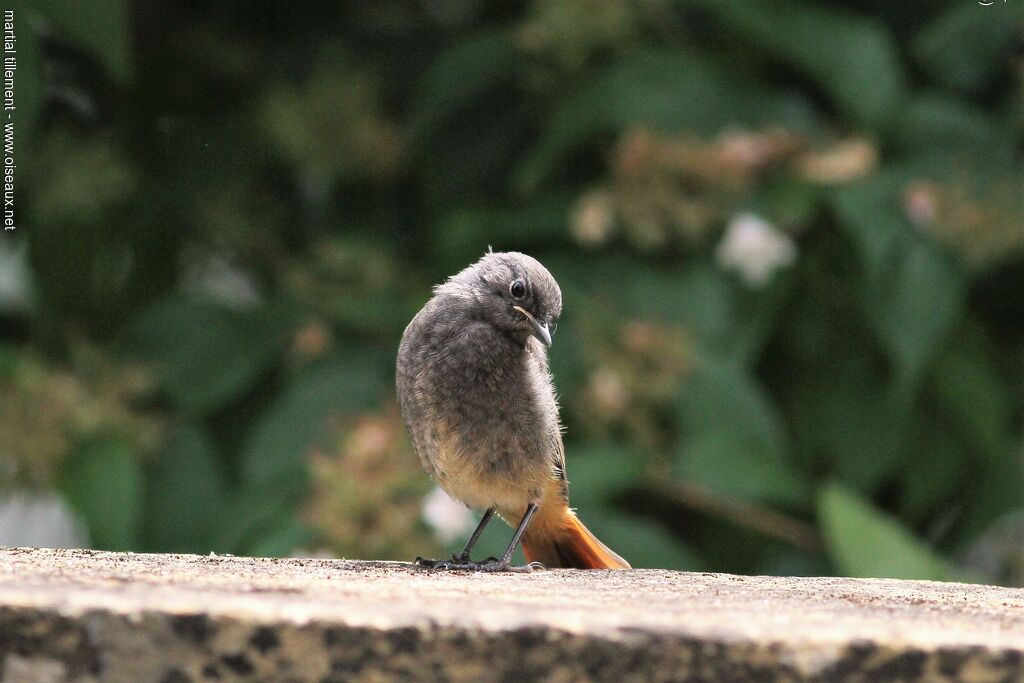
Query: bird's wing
[409, 381]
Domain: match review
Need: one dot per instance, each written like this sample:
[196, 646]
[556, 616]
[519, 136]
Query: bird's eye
[517, 289]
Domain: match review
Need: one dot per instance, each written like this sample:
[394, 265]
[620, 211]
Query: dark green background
[229, 210]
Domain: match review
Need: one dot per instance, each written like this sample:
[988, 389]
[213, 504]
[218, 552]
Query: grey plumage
[477, 398]
[474, 386]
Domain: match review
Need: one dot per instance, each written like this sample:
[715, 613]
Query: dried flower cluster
[680, 189]
[368, 492]
[46, 412]
[332, 125]
[982, 224]
[634, 375]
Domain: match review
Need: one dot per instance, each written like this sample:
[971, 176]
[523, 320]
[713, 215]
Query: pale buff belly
[483, 474]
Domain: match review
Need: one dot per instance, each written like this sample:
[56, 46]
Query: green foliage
[103, 482]
[98, 28]
[788, 236]
[866, 542]
[460, 77]
[271, 455]
[602, 473]
[185, 492]
[207, 354]
[949, 48]
[853, 58]
[733, 439]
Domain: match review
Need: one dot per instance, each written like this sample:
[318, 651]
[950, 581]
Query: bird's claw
[490, 565]
[499, 566]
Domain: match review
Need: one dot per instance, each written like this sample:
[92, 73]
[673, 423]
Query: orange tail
[567, 543]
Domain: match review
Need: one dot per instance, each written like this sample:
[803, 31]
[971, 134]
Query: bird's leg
[505, 563]
[464, 555]
[460, 561]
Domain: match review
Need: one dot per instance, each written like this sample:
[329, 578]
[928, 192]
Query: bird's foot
[497, 565]
[463, 563]
[457, 562]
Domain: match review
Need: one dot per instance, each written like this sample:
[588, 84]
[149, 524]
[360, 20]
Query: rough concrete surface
[94, 616]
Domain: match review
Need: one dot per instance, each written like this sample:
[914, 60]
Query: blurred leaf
[917, 308]
[207, 355]
[666, 91]
[853, 58]
[700, 297]
[10, 361]
[913, 293]
[82, 258]
[732, 438]
[932, 474]
[796, 563]
[718, 396]
[535, 225]
[274, 455]
[184, 494]
[598, 473]
[733, 463]
[792, 202]
[936, 129]
[864, 541]
[469, 159]
[858, 424]
[461, 76]
[974, 397]
[246, 517]
[280, 539]
[100, 27]
[103, 483]
[965, 46]
[870, 213]
[731, 321]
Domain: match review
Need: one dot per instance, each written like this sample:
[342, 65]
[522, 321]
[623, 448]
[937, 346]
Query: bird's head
[514, 293]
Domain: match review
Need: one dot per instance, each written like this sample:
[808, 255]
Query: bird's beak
[540, 330]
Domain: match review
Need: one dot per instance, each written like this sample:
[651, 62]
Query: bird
[478, 400]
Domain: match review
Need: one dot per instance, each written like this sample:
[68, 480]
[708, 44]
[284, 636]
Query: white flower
[40, 520]
[449, 519]
[754, 248]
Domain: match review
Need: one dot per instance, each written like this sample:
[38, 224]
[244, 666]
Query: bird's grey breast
[477, 394]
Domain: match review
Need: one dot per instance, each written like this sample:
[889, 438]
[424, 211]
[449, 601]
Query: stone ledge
[84, 616]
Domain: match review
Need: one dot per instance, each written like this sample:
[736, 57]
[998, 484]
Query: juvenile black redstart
[477, 399]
